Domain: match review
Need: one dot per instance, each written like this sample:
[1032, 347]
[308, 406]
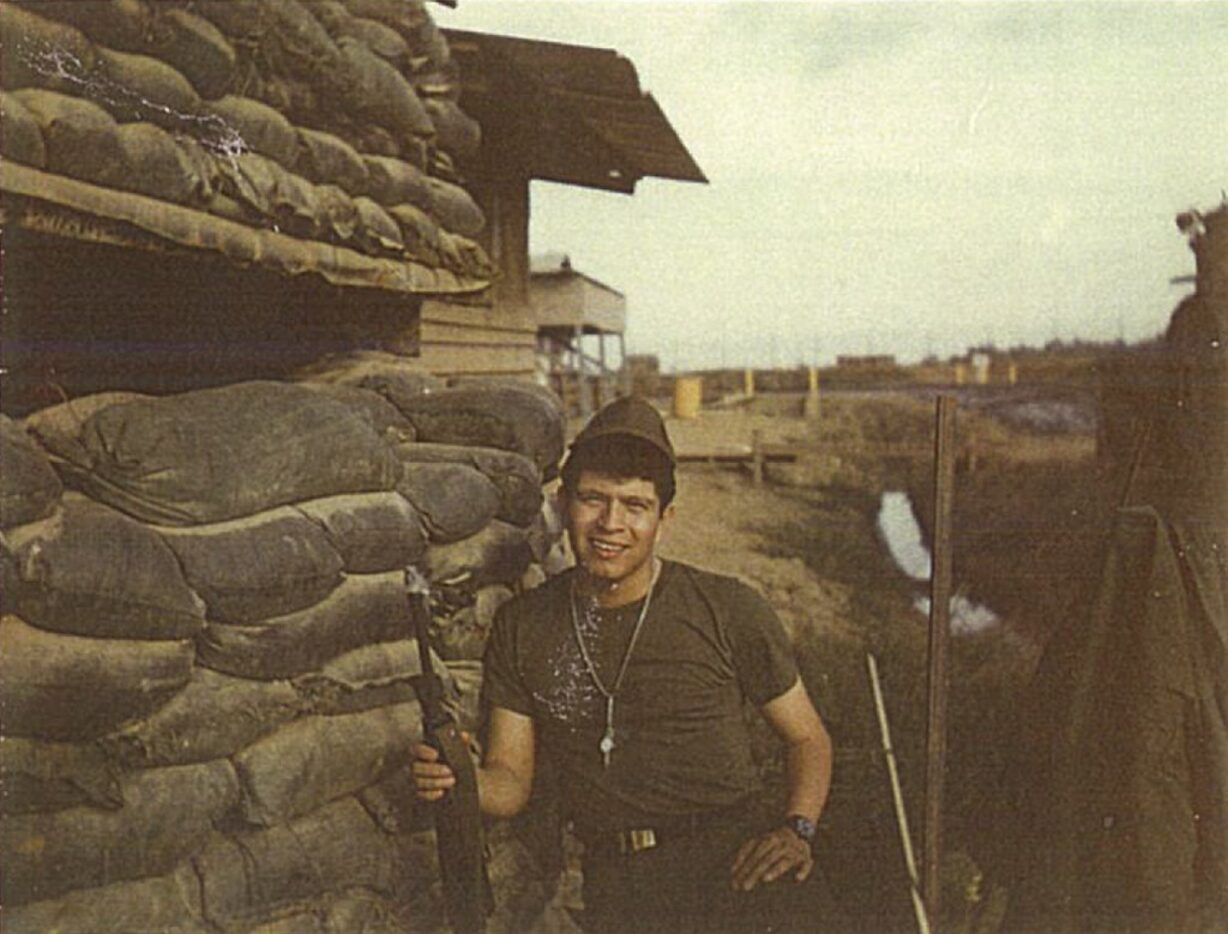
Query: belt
[633, 841]
[657, 831]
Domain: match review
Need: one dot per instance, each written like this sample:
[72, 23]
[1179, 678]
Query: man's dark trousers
[683, 886]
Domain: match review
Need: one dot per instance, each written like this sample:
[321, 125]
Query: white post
[897, 797]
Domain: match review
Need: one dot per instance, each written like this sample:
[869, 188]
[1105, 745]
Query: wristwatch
[802, 826]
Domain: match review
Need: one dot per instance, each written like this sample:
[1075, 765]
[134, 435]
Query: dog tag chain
[606, 746]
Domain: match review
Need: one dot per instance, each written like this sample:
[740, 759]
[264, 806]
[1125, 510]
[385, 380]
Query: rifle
[458, 821]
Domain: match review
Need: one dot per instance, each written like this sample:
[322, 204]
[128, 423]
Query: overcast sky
[907, 178]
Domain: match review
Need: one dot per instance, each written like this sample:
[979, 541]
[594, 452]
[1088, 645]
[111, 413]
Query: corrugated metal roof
[566, 113]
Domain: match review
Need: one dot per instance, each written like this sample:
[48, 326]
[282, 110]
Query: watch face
[802, 826]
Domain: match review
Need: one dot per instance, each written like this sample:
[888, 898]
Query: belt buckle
[633, 841]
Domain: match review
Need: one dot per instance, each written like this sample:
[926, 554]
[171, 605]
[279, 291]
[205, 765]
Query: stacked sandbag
[490, 443]
[473, 467]
[328, 121]
[29, 486]
[507, 416]
[207, 672]
[219, 454]
[168, 815]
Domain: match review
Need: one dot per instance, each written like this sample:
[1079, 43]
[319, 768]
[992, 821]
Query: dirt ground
[717, 526]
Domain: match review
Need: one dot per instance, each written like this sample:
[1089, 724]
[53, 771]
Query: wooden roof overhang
[565, 113]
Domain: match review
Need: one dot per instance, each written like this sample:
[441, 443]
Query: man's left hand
[769, 856]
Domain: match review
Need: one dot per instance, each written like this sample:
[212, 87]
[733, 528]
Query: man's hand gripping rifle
[458, 820]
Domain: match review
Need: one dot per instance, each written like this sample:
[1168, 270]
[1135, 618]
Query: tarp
[1126, 770]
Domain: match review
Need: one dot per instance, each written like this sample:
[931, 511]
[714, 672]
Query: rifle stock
[458, 819]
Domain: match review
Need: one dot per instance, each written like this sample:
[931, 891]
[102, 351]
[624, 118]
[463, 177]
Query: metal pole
[897, 796]
[939, 636]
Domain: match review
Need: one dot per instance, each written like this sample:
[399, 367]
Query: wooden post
[756, 457]
[582, 386]
[939, 637]
[810, 405]
[624, 382]
[748, 382]
[505, 202]
[603, 394]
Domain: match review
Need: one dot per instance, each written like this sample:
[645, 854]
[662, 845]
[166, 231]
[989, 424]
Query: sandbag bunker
[328, 121]
[206, 664]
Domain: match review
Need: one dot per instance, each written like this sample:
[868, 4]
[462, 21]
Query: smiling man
[632, 673]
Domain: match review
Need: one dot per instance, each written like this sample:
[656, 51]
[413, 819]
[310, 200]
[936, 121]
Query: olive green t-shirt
[708, 644]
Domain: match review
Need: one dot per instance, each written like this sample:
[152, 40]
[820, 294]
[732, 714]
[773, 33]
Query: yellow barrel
[688, 396]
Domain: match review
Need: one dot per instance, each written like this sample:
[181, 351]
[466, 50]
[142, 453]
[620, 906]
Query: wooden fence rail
[758, 453]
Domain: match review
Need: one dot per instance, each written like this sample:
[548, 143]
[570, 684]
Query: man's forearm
[784, 849]
[808, 768]
[502, 792]
[505, 776]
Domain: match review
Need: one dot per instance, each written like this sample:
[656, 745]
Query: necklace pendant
[606, 746]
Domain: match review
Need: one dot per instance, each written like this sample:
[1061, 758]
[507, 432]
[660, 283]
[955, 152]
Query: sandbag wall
[330, 121]
[206, 670]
